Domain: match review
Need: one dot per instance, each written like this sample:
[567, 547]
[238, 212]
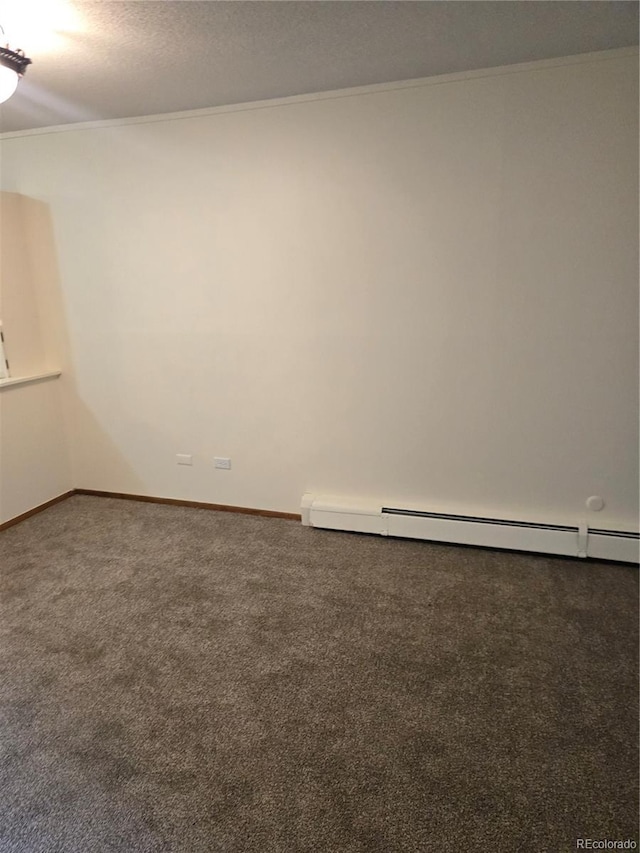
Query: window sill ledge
[12, 381]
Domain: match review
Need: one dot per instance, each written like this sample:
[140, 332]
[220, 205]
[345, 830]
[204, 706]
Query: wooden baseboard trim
[266, 513]
[36, 509]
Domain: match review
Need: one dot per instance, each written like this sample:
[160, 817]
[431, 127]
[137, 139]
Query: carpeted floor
[182, 680]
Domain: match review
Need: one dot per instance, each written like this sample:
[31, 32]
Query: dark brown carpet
[182, 680]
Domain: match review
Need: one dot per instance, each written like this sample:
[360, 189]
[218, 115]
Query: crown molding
[335, 94]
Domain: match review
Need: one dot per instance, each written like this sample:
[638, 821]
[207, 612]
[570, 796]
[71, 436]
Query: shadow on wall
[39, 422]
[97, 461]
[86, 439]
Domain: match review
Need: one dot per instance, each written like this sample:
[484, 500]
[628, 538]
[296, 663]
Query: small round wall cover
[595, 503]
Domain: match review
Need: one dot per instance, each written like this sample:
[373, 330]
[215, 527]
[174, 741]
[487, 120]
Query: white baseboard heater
[570, 540]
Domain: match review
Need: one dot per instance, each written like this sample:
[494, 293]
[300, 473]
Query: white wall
[34, 457]
[34, 465]
[426, 294]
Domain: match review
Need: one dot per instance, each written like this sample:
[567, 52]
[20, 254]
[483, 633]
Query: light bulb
[8, 83]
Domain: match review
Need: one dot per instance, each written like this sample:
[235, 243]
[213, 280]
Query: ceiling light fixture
[13, 64]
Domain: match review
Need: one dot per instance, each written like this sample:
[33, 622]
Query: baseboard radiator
[577, 540]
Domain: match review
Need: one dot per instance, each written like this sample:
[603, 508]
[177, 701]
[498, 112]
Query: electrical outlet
[222, 462]
[184, 459]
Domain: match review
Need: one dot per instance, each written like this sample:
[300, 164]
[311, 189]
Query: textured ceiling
[116, 58]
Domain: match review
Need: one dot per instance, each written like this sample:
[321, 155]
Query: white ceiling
[117, 58]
